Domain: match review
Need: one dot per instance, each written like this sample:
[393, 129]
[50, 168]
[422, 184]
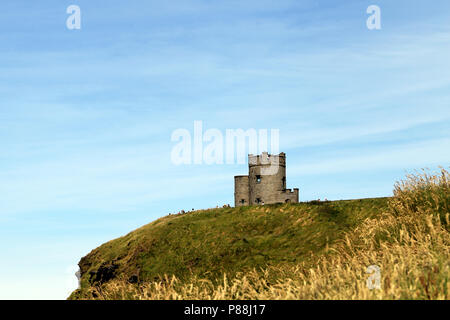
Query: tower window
[258, 179]
[242, 201]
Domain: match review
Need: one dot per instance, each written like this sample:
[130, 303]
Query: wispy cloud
[403, 157]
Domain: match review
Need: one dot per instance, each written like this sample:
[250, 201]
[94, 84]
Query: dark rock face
[133, 279]
[103, 274]
[84, 265]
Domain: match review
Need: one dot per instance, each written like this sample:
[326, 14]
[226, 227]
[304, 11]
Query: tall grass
[423, 194]
[409, 242]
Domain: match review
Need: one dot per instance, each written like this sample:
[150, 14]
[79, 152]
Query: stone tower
[265, 183]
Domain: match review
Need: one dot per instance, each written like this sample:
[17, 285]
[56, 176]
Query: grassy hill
[305, 250]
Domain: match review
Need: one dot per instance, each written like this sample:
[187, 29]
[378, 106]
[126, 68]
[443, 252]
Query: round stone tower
[267, 178]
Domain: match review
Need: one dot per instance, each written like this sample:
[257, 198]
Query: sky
[87, 115]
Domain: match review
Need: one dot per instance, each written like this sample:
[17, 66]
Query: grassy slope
[207, 243]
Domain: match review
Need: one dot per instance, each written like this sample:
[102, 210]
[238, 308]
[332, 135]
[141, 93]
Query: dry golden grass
[409, 242]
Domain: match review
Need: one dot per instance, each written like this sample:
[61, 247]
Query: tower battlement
[267, 159]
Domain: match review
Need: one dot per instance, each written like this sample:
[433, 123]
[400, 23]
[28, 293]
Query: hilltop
[210, 242]
[213, 248]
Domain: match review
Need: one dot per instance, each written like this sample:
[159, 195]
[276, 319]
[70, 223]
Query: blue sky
[86, 116]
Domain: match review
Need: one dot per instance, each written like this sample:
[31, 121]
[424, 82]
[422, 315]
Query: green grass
[209, 243]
